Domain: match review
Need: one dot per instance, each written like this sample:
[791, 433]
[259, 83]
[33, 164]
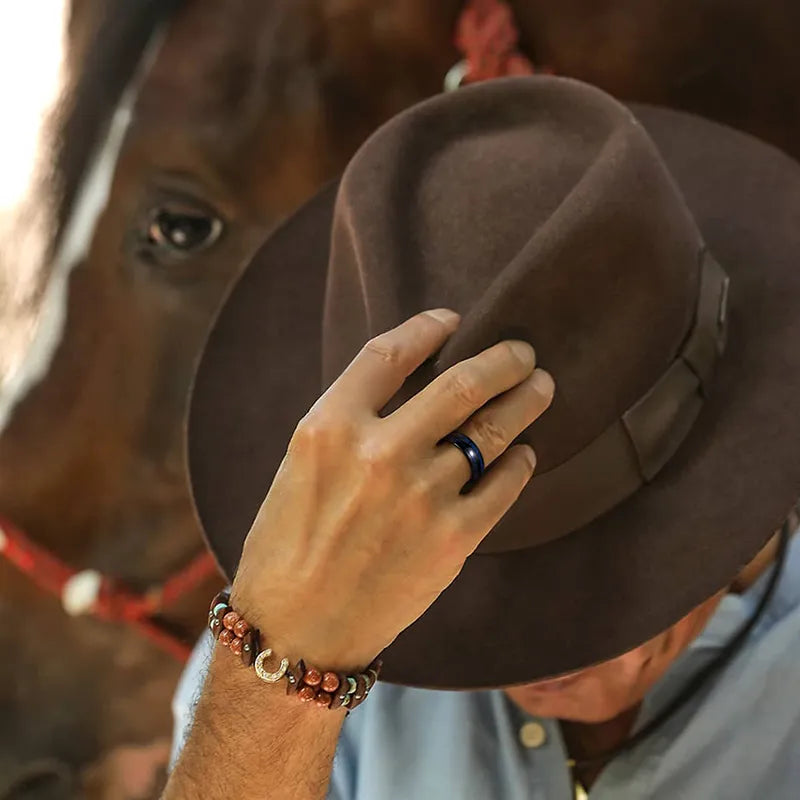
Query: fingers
[459, 392]
[479, 511]
[496, 425]
[376, 374]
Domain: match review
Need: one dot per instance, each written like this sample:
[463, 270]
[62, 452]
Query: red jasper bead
[236, 646]
[330, 682]
[241, 628]
[230, 620]
[323, 699]
[313, 677]
[307, 693]
[226, 637]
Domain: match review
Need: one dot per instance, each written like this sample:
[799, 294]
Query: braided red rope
[88, 592]
[487, 37]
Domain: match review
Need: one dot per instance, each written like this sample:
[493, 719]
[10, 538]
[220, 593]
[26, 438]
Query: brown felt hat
[651, 258]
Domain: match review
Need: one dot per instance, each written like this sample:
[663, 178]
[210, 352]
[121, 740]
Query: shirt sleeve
[188, 692]
[343, 777]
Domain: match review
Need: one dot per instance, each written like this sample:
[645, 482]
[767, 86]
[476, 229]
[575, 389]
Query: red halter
[487, 36]
[88, 592]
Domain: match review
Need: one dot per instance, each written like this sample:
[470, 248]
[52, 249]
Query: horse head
[152, 198]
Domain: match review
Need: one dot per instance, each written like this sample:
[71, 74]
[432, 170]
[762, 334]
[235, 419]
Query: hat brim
[596, 593]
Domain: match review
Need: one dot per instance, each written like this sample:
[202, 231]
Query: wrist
[328, 687]
[233, 690]
[297, 638]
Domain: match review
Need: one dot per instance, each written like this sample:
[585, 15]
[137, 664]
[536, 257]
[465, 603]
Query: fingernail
[523, 351]
[444, 315]
[530, 454]
[543, 382]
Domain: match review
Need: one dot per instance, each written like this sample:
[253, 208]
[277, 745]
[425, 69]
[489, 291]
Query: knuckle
[387, 349]
[420, 496]
[377, 457]
[465, 388]
[308, 434]
[489, 434]
[452, 563]
[318, 430]
[454, 537]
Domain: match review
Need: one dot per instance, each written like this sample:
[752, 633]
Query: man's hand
[364, 525]
[361, 531]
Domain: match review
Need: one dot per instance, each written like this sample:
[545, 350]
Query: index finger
[376, 374]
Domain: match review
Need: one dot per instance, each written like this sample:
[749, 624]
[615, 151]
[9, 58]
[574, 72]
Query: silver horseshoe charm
[270, 677]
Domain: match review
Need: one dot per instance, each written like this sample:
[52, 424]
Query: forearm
[252, 740]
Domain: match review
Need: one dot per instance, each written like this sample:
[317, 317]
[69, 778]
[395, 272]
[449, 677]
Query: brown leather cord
[704, 676]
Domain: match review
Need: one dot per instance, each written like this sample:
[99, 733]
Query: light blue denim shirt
[737, 740]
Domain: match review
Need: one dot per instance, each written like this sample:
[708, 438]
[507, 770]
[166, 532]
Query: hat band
[634, 449]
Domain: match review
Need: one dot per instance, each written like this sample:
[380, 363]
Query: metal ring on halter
[473, 454]
[455, 76]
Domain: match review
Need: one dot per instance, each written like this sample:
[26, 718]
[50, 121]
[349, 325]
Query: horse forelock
[77, 122]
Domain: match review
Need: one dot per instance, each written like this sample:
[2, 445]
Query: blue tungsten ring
[472, 452]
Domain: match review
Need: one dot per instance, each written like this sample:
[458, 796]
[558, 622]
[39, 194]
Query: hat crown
[606, 555]
[539, 209]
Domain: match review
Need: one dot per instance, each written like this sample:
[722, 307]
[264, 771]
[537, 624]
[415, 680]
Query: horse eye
[183, 231]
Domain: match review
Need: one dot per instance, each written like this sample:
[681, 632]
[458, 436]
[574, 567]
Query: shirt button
[532, 735]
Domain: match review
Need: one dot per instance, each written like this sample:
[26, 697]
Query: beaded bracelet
[325, 689]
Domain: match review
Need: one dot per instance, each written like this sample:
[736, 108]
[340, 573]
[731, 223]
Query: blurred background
[147, 148]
